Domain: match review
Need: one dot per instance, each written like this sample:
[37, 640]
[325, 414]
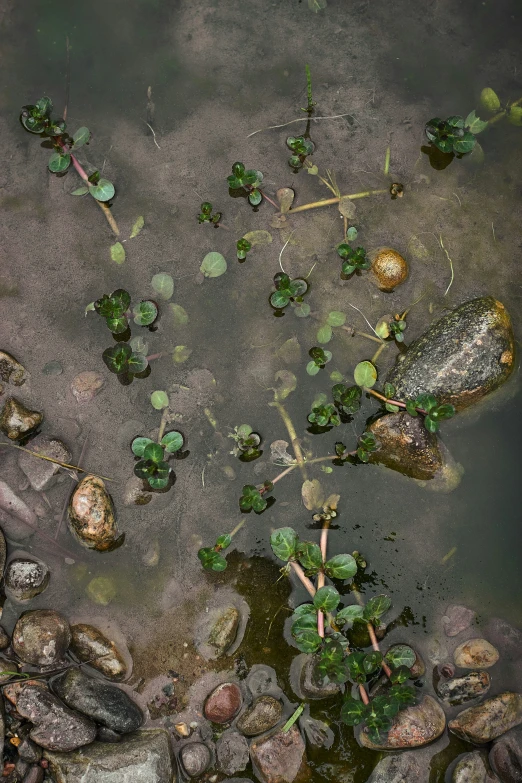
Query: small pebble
[52, 368]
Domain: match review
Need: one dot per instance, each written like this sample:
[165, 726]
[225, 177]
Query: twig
[387, 161]
[398, 403]
[56, 461]
[294, 440]
[367, 321]
[320, 576]
[326, 202]
[64, 509]
[292, 719]
[282, 249]
[153, 133]
[270, 200]
[299, 119]
[450, 263]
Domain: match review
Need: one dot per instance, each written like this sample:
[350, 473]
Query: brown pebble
[224, 703]
[388, 270]
[86, 385]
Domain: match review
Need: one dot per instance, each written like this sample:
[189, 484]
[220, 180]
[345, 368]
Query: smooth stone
[488, 720]
[86, 386]
[404, 768]
[29, 751]
[233, 753]
[52, 368]
[195, 758]
[280, 757]
[388, 270]
[41, 472]
[88, 644]
[475, 654]
[412, 727]
[35, 774]
[263, 715]
[26, 578]
[144, 756]
[223, 703]
[473, 768]
[11, 371]
[462, 689]
[56, 727]
[506, 756]
[461, 357]
[99, 700]
[16, 420]
[135, 493]
[406, 445]
[41, 637]
[505, 637]
[5, 641]
[91, 515]
[419, 667]
[457, 619]
[224, 630]
[311, 687]
[104, 734]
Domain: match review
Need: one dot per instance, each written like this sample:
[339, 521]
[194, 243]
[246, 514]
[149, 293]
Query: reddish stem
[269, 199]
[375, 645]
[154, 356]
[392, 402]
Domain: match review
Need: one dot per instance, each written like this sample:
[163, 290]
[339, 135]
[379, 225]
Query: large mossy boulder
[461, 357]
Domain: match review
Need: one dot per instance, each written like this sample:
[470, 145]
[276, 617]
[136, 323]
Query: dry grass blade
[56, 461]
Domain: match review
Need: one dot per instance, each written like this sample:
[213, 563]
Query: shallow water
[218, 72]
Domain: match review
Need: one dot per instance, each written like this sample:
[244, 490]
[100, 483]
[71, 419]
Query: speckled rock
[475, 654]
[11, 371]
[55, 726]
[34, 774]
[460, 358]
[462, 689]
[232, 752]
[195, 758]
[412, 728]
[473, 768]
[29, 751]
[223, 703]
[16, 420]
[280, 757]
[26, 578]
[91, 515]
[86, 385]
[406, 445]
[506, 756]
[388, 270]
[89, 644]
[488, 720]
[41, 637]
[403, 768]
[224, 630]
[263, 715]
[3, 557]
[41, 472]
[456, 619]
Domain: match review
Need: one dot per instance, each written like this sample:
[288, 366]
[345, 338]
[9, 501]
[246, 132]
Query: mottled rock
[506, 756]
[488, 720]
[473, 768]
[232, 752]
[462, 689]
[14, 689]
[3, 557]
[412, 728]
[86, 385]
[29, 751]
[457, 619]
[224, 630]
[55, 726]
[89, 644]
[311, 686]
[223, 703]
[144, 756]
[26, 578]
[280, 757]
[11, 371]
[263, 715]
[34, 774]
[404, 768]
[475, 654]
[419, 667]
[195, 758]
[16, 420]
[41, 472]
[91, 515]
[461, 357]
[102, 702]
[104, 734]
[406, 445]
[388, 270]
[5, 641]
[135, 492]
[41, 637]
[505, 637]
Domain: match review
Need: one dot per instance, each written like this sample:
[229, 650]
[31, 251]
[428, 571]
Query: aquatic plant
[320, 359]
[287, 290]
[246, 443]
[353, 260]
[243, 246]
[124, 362]
[153, 463]
[247, 180]
[206, 216]
[452, 135]
[301, 147]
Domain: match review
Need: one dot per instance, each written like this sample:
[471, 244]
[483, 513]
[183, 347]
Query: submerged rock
[195, 758]
[412, 728]
[91, 515]
[462, 689]
[101, 590]
[88, 644]
[224, 629]
[86, 385]
[404, 768]
[41, 472]
[26, 578]
[56, 727]
[41, 637]
[475, 654]
[506, 637]
[461, 357]
[388, 270]
[506, 756]
[488, 720]
[16, 420]
[5, 641]
[457, 619]
[473, 768]
[263, 715]
[280, 757]
[406, 445]
[223, 703]
[232, 752]
[11, 371]
[3, 557]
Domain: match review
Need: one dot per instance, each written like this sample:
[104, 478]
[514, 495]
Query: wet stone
[89, 644]
[475, 654]
[99, 700]
[505, 637]
[405, 768]
[55, 726]
[506, 756]
[3, 557]
[26, 578]
[488, 720]
[406, 445]
[412, 727]
[388, 270]
[86, 386]
[29, 751]
[457, 619]
[460, 358]
[263, 715]
[41, 472]
[34, 774]
[224, 703]
[473, 768]
[104, 734]
[16, 420]
[462, 689]
[11, 371]
[311, 686]
[280, 757]
[232, 752]
[224, 630]
[41, 637]
[195, 758]
[5, 641]
[91, 515]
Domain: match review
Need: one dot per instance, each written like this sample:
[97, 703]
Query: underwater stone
[195, 758]
[11, 371]
[263, 715]
[224, 630]
[223, 703]
[475, 654]
[86, 385]
[506, 756]
[412, 728]
[102, 590]
[280, 757]
[26, 578]
[91, 515]
[5, 641]
[3, 557]
[232, 752]
[55, 727]
[16, 420]
[457, 619]
[473, 768]
[388, 270]
[461, 357]
[406, 445]
[41, 637]
[506, 638]
[88, 644]
[404, 768]
[488, 720]
[462, 689]
[41, 472]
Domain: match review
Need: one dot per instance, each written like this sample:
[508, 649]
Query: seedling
[247, 442]
[301, 148]
[124, 362]
[347, 400]
[243, 246]
[396, 328]
[252, 497]
[206, 216]
[153, 465]
[210, 557]
[114, 308]
[324, 416]
[320, 359]
[287, 290]
[353, 260]
[247, 180]
[456, 134]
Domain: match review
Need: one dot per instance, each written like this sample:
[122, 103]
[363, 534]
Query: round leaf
[58, 163]
[81, 136]
[163, 284]
[327, 599]
[341, 567]
[137, 363]
[312, 494]
[324, 334]
[336, 318]
[138, 445]
[349, 614]
[214, 265]
[139, 345]
[118, 325]
[81, 191]
[117, 252]
[255, 197]
[181, 353]
[376, 607]
[365, 374]
[279, 300]
[117, 357]
[309, 555]
[145, 313]
[312, 368]
[351, 234]
[258, 237]
[138, 225]
[153, 451]
[172, 441]
[159, 400]
[308, 641]
[353, 712]
[283, 542]
[103, 191]
[179, 314]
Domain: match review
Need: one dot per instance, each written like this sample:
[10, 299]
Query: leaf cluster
[243, 246]
[252, 497]
[320, 359]
[287, 546]
[424, 404]
[455, 135]
[287, 290]
[152, 465]
[347, 399]
[247, 442]
[211, 557]
[206, 216]
[301, 148]
[249, 180]
[353, 260]
[324, 415]
[378, 715]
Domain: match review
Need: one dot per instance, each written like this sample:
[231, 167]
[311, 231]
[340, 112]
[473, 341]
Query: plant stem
[292, 719]
[293, 437]
[154, 356]
[320, 575]
[165, 416]
[392, 402]
[308, 462]
[328, 201]
[503, 113]
[378, 352]
[371, 632]
[270, 200]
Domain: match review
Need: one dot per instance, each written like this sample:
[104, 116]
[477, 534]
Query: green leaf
[139, 345]
[403, 694]
[279, 300]
[255, 197]
[288, 383]
[118, 325]
[154, 452]
[336, 318]
[410, 407]
[118, 253]
[138, 225]
[376, 607]
[44, 106]
[353, 712]
[465, 144]
[58, 162]
[365, 374]
[224, 541]
[312, 368]
[81, 136]
[214, 265]
[179, 314]
[327, 599]
[81, 191]
[103, 191]
[391, 408]
[474, 123]
[431, 425]
[351, 234]
[317, 5]
[181, 353]
[372, 661]
[349, 614]
[212, 560]
[302, 310]
[284, 542]
[138, 445]
[341, 567]
[400, 655]
[324, 334]
[258, 237]
[400, 675]
[309, 555]
[172, 441]
[117, 357]
[145, 313]
[308, 641]
[163, 284]
[159, 400]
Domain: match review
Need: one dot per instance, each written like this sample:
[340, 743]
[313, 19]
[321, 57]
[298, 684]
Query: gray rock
[473, 768]
[475, 654]
[412, 728]
[55, 726]
[279, 757]
[89, 644]
[34, 774]
[144, 756]
[224, 629]
[457, 619]
[310, 685]
[26, 578]
[41, 472]
[91, 515]
[11, 371]
[505, 637]
[232, 752]
[103, 734]
[99, 700]
[223, 703]
[2, 731]
[488, 720]
[5, 641]
[460, 358]
[462, 689]
[3, 557]
[41, 637]
[406, 445]
[405, 768]
[195, 758]
[263, 715]
[29, 751]
[16, 420]
[506, 756]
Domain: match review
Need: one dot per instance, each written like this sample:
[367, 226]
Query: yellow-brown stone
[91, 515]
[389, 269]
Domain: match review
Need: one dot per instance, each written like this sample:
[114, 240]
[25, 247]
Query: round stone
[16, 420]
[41, 637]
[224, 703]
[195, 758]
[475, 654]
[90, 646]
[91, 515]
[388, 270]
[86, 386]
[26, 578]
[263, 715]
